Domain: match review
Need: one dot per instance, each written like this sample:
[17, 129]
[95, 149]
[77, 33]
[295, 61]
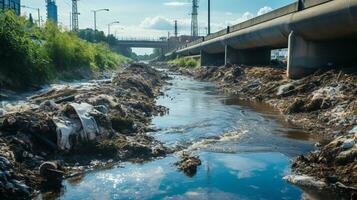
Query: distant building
[51, 11]
[11, 4]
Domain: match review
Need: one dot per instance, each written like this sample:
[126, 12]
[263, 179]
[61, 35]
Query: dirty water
[245, 149]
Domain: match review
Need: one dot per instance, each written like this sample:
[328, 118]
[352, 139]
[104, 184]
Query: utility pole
[194, 18]
[70, 21]
[75, 14]
[176, 32]
[209, 17]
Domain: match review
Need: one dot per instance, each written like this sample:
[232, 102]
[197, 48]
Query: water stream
[245, 150]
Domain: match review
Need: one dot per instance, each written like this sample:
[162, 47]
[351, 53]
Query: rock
[347, 144]
[296, 107]
[353, 130]
[50, 171]
[285, 88]
[101, 108]
[188, 164]
[122, 125]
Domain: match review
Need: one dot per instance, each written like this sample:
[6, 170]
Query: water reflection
[244, 153]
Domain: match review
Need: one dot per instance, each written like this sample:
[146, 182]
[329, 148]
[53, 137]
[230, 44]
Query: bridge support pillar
[208, 59]
[259, 56]
[305, 57]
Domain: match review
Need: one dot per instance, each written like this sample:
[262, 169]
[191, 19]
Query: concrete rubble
[57, 131]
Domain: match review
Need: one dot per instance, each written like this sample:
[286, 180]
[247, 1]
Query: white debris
[330, 93]
[286, 87]
[347, 144]
[84, 131]
[65, 129]
[305, 181]
[354, 130]
[2, 112]
[89, 125]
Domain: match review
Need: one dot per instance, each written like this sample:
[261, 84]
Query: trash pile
[335, 165]
[73, 125]
[324, 103]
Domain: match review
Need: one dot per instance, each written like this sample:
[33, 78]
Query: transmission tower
[194, 19]
[74, 15]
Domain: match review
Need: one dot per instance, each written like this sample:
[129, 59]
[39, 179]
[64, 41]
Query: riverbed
[245, 148]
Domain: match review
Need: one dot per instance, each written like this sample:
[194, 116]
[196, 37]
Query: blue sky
[155, 18]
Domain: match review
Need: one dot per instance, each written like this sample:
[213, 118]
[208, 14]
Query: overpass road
[317, 33]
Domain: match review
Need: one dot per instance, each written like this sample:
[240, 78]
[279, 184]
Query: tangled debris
[188, 164]
[324, 103]
[66, 127]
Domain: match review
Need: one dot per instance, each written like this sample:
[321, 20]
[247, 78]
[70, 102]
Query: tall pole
[95, 20]
[70, 21]
[209, 17]
[95, 16]
[39, 17]
[176, 32]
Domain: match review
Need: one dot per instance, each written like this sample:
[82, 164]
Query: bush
[185, 62]
[23, 61]
[31, 56]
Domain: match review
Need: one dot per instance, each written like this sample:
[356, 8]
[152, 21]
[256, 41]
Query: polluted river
[245, 149]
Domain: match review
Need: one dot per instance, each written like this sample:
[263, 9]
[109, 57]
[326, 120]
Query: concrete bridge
[143, 43]
[317, 33]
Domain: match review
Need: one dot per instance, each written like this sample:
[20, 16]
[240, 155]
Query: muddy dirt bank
[324, 104]
[69, 130]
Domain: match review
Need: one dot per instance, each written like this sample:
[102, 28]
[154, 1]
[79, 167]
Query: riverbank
[71, 129]
[324, 104]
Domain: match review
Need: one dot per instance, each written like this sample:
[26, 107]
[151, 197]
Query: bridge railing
[153, 39]
[286, 10]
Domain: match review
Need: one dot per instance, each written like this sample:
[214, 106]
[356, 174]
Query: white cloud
[264, 10]
[176, 3]
[158, 23]
[246, 16]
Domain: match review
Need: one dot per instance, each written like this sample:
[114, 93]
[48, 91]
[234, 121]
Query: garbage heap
[74, 125]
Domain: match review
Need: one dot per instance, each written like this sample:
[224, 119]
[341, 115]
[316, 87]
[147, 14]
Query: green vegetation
[186, 62]
[30, 56]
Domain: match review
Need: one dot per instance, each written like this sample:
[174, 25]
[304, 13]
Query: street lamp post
[209, 17]
[115, 22]
[38, 13]
[95, 16]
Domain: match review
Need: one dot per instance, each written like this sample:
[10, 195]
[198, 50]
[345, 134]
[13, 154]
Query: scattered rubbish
[305, 181]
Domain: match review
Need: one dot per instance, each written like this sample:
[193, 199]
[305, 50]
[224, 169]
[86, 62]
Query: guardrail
[286, 10]
[141, 39]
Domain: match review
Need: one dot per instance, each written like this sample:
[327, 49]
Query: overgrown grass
[31, 56]
[185, 62]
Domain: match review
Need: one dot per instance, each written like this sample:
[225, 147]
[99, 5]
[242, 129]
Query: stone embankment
[324, 104]
[69, 130]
